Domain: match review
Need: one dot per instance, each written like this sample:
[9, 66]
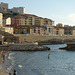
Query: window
[34, 31]
[49, 29]
[38, 31]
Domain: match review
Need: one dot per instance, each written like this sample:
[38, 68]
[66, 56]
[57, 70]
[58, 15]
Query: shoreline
[24, 47]
[16, 47]
[3, 63]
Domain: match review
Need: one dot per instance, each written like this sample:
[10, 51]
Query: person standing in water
[48, 56]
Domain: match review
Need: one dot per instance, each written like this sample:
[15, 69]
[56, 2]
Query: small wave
[9, 57]
[20, 66]
[9, 68]
[11, 54]
[12, 62]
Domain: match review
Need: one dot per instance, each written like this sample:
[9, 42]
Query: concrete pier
[70, 46]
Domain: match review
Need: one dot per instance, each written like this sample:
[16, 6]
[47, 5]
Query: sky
[60, 11]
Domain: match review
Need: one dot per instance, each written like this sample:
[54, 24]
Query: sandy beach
[1, 73]
[3, 63]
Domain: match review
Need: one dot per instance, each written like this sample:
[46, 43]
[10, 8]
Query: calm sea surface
[61, 62]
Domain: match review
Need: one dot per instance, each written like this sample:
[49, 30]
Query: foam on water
[10, 57]
[20, 66]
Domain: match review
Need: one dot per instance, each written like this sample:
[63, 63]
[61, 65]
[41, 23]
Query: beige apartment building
[1, 16]
[19, 20]
[7, 29]
[48, 21]
[35, 20]
[73, 32]
[29, 19]
[58, 31]
[32, 19]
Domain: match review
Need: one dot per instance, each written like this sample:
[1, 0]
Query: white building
[1, 16]
[9, 30]
[6, 21]
[4, 5]
[20, 10]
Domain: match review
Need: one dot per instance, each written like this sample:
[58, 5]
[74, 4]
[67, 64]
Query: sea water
[60, 62]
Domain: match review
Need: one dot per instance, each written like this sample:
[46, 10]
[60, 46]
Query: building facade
[4, 5]
[29, 19]
[73, 32]
[6, 21]
[20, 10]
[19, 20]
[68, 30]
[58, 31]
[1, 16]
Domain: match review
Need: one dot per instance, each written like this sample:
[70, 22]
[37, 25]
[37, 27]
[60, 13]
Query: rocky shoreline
[68, 49]
[22, 47]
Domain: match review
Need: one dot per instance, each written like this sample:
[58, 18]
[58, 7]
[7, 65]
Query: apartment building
[20, 10]
[29, 19]
[41, 20]
[35, 20]
[48, 21]
[68, 30]
[49, 30]
[32, 19]
[29, 29]
[4, 5]
[6, 21]
[1, 16]
[19, 20]
[58, 31]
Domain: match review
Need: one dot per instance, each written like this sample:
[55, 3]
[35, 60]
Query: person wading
[48, 56]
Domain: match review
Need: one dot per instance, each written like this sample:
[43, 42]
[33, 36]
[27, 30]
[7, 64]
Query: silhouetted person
[14, 72]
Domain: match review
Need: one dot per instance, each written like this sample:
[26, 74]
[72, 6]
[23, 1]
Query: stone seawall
[37, 38]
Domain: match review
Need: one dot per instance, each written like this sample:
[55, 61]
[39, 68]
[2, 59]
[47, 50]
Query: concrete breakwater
[70, 47]
[24, 48]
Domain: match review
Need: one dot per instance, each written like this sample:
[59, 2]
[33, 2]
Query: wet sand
[1, 73]
[3, 63]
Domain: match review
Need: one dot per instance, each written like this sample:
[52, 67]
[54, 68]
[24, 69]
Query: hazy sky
[61, 11]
